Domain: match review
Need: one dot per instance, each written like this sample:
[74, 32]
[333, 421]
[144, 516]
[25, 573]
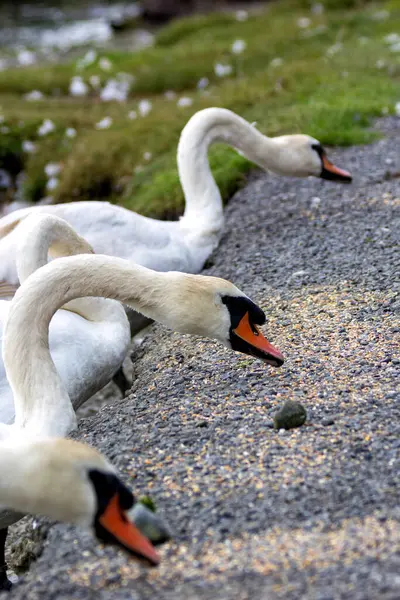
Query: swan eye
[318, 149]
[106, 485]
[238, 306]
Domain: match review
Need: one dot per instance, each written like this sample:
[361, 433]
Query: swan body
[89, 341]
[70, 482]
[182, 245]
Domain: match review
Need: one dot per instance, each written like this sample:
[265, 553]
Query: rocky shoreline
[257, 513]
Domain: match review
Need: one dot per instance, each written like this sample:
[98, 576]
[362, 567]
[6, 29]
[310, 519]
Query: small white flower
[169, 95]
[86, 60]
[104, 123]
[184, 101]
[78, 87]
[380, 64]
[397, 109]
[28, 146]
[52, 184]
[70, 132]
[132, 114]
[145, 107]
[332, 50]
[202, 83]
[380, 15]
[238, 46]
[303, 22]
[395, 47]
[52, 169]
[392, 38]
[46, 127]
[276, 62]
[26, 58]
[222, 70]
[34, 96]
[115, 90]
[242, 15]
[95, 81]
[317, 9]
[105, 64]
[4, 129]
[147, 155]
[90, 57]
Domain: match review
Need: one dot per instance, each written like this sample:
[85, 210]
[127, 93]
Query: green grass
[329, 94]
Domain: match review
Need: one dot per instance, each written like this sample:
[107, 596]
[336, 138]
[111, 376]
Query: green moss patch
[327, 77]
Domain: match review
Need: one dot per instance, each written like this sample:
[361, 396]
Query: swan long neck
[202, 196]
[44, 233]
[41, 400]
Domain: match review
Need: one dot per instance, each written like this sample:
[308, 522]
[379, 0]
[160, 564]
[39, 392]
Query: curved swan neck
[43, 233]
[202, 196]
[41, 401]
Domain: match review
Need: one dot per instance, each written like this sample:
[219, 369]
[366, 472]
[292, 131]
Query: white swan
[182, 245]
[89, 341]
[70, 482]
[192, 304]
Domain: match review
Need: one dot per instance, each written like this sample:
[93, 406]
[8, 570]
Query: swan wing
[86, 353]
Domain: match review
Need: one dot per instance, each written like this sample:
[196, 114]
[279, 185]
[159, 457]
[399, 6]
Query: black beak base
[331, 176]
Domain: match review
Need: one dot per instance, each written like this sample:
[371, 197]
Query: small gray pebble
[150, 524]
[292, 414]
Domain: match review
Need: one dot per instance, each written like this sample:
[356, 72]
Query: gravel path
[308, 514]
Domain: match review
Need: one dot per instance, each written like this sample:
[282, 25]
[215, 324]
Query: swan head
[74, 483]
[215, 308]
[301, 155]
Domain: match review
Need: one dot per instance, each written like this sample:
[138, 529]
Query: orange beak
[256, 343]
[329, 171]
[125, 533]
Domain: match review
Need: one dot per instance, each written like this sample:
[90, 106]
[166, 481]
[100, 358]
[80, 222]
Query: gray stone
[150, 524]
[291, 415]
